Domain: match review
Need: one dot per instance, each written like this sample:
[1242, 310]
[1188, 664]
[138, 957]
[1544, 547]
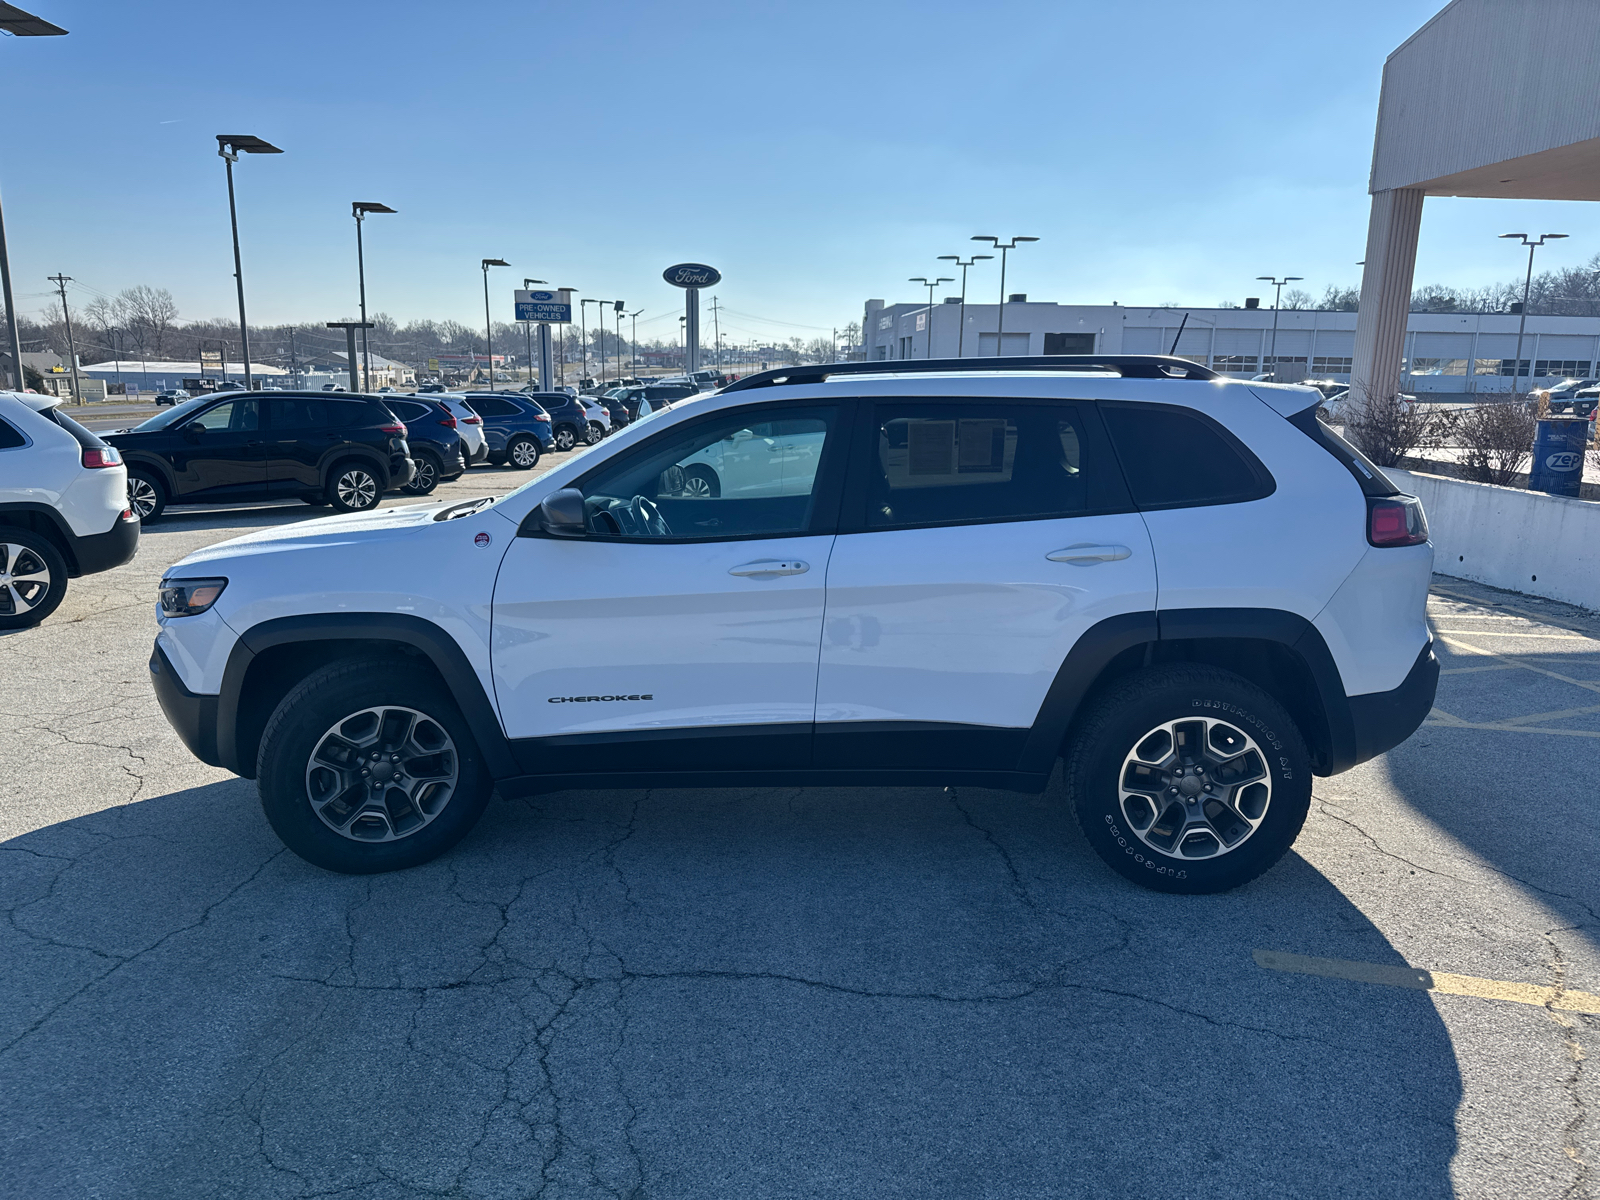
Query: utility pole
[294, 363]
[61, 282]
[716, 325]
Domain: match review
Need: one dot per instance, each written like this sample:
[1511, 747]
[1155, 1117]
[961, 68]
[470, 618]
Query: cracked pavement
[791, 992]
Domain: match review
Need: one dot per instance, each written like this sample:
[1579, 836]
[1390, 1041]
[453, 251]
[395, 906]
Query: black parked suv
[344, 450]
[436, 447]
[569, 422]
[516, 428]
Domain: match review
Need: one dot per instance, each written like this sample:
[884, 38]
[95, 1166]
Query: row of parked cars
[345, 449]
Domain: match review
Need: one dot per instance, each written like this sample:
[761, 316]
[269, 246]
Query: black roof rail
[1129, 366]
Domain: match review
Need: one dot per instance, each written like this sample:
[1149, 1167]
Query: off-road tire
[305, 715]
[34, 551]
[1123, 716]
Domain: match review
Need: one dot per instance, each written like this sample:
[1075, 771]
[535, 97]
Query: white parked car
[468, 424]
[1187, 587]
[63, 507]
[598, 416]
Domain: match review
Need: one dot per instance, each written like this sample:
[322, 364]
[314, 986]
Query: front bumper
[193, 717]
[102, 551]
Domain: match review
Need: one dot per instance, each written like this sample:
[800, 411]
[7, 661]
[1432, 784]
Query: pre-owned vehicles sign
[547, 307]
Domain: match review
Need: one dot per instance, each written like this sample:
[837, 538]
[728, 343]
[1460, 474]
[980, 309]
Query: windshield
[176, 413]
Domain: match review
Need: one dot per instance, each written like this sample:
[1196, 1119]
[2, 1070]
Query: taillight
[542, 417]
[472, 420]
[448, 422]
[395, 428]
[107, 456]
[1396, 521]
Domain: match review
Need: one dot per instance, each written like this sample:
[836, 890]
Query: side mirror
[561, 513]
[193, 430]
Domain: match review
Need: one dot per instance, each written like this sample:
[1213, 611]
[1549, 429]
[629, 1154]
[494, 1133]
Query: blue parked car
[517, 429]
[435, 445]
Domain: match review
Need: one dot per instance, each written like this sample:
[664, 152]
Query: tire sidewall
[55, 562]
[314, 707]
[1152, 698]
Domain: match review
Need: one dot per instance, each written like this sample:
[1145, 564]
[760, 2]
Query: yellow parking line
[1475, 670]
[1558, 715]
[1561, 999]
[1517, 662]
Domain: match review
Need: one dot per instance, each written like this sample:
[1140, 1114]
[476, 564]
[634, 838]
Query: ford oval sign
[692, 275]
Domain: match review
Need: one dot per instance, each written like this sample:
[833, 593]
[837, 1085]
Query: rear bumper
[1382, 720]
[481, 454]
[193, 717]
[102, 551]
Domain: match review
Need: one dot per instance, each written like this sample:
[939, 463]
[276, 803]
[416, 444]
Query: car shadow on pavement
[902, 993]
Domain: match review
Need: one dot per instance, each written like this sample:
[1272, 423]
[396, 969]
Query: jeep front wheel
[1189, 779]
[366, 767]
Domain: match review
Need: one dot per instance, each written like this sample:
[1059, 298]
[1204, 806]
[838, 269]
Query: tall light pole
[488, 323]
[633, 349]
[1003, 247]
[359, 209]
[931, 284]
[600, 325]
[19, 24]
[617, 307]
[1527, 286]
[527, 327]
[1277, 296]
[963, 264]
[683, 351]
[229, 147]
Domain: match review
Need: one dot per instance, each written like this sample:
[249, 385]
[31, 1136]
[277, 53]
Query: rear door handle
[770, 566]
[1085, 555]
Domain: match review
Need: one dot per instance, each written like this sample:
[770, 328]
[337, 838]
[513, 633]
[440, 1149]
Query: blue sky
[817, 153]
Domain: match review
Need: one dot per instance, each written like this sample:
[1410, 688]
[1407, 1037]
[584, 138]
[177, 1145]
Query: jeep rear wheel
[1189, 779]
[367, 767]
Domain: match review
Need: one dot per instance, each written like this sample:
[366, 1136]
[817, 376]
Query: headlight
[189, 597]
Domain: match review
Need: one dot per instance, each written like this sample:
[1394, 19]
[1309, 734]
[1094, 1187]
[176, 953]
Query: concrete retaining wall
[1522, 541]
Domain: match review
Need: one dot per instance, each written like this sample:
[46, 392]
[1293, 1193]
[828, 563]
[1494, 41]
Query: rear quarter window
[10, 436]
[1174, 457]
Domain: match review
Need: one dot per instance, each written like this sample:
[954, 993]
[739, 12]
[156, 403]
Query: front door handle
[1085, 555]
[770, 566]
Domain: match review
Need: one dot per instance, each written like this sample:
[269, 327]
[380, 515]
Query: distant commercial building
[1443, 352]
[160, 374]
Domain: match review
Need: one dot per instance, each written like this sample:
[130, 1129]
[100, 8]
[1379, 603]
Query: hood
[327, 532]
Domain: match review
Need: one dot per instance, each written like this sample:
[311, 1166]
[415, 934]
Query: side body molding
[421, 635]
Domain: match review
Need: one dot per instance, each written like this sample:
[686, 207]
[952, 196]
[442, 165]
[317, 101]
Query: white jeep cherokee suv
[953, 573]
[63, 507]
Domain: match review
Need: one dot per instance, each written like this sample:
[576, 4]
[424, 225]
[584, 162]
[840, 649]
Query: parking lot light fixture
[963, 264]
[229, 147]
[1003, 247]
[931, 284]
[488, 324]
[1527, 287]
[1276, 297]
[19, 24]
[358, 210]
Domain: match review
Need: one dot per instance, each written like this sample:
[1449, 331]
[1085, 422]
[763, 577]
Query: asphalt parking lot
[807, 992]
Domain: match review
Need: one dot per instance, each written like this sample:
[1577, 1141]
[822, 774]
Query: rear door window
[493, 406]
[1174, 457]
[959, 462]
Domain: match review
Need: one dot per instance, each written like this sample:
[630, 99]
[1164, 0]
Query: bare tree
[147, 314]
[1294, 298]
[1389, 428]
[1496, 441]
[1340, 299]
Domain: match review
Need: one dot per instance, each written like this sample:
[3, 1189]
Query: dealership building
[1443, 352]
